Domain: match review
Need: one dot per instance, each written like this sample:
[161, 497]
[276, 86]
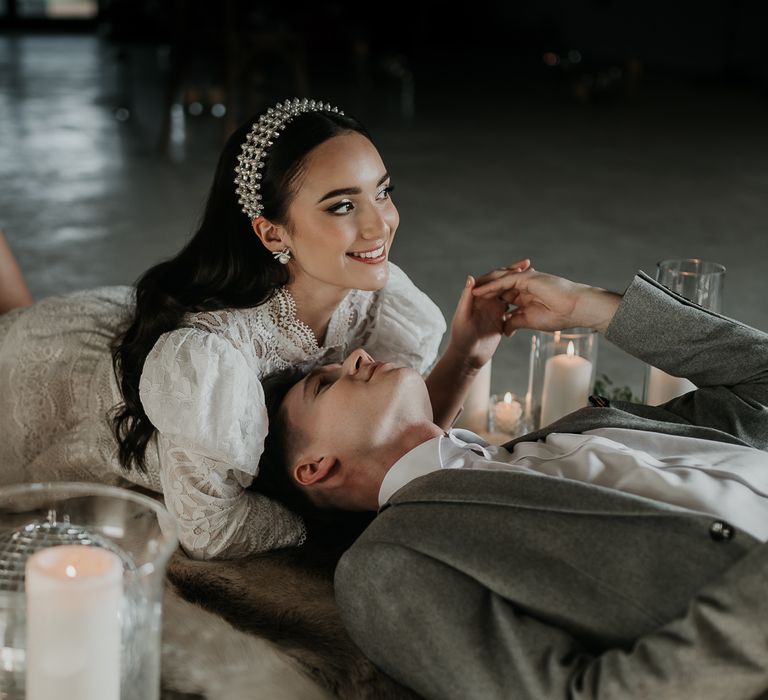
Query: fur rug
[281, 600]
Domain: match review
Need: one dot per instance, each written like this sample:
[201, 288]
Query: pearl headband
[255, 150]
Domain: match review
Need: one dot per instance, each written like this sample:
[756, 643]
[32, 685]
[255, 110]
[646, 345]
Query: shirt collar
[469, 440]
[430, 456]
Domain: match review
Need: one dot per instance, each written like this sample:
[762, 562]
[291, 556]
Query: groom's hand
[546, 302]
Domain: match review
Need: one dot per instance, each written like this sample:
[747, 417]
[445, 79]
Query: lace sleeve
[407, 325]
[216, 516]
[202, 391]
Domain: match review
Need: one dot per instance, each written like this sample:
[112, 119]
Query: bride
[160, 385]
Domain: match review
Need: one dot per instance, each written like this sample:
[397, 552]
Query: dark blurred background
[595, 136]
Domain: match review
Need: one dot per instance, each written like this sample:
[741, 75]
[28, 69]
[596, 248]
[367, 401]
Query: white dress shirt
[726, 481]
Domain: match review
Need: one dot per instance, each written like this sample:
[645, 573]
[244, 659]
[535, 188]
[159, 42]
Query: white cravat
[727, 481]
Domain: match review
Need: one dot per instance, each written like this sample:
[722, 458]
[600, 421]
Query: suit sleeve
[726, 359]
[438, 631]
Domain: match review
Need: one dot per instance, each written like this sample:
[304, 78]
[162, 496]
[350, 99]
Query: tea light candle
[566, 385]
[663, 387]
[74, 594]
[506, 414]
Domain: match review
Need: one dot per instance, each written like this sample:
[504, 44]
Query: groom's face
[356, 404]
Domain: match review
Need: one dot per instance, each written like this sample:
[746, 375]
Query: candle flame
[71, 571]
[570, 352]
[508, 397]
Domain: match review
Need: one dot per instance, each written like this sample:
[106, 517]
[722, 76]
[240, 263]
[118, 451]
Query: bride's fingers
[519, 266]
[522, 265]
[510, 281]
[513, 321]
[464, 307]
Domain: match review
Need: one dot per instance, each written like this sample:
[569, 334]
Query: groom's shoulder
[485, 485]
[458, 486]
[520, 489]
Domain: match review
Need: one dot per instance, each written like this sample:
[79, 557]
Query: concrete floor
[487, 171]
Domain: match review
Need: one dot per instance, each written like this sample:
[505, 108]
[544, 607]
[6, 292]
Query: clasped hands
[517, 296]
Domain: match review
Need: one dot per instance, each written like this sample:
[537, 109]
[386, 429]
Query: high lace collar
[281, 309]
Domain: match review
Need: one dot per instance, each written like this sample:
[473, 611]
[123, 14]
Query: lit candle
[566, 385]
[74, 593]
[662, 387]
[506, 414]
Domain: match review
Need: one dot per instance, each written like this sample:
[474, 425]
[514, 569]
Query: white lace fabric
[201, 388]
[216, 515]
[57, 389]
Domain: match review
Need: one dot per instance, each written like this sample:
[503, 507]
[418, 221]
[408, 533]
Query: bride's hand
[478, 322]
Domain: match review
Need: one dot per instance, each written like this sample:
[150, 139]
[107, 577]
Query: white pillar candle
[663, 387]
[566, 385]
[474, 417]
[74, 594]
[506, 414]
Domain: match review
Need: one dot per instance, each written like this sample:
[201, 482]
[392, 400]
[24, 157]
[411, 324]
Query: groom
[616, 553]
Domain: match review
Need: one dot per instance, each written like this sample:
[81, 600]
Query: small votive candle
[504, 414]
[74, 595]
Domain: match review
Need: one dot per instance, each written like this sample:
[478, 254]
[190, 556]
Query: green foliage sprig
[604, 387]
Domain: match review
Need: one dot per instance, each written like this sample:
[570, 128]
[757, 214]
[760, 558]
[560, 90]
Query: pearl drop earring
[282, 256]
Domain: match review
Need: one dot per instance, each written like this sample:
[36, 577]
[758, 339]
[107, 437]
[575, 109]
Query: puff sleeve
[202, 391]
[408, 326]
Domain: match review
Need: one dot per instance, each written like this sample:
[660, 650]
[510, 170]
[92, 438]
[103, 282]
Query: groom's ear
[309, 473]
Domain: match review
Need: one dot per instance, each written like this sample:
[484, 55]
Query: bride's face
[342, 218]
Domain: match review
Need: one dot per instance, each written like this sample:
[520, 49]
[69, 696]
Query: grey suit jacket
[487, 584]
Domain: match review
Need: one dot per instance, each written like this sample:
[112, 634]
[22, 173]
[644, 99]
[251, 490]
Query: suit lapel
[622, 414]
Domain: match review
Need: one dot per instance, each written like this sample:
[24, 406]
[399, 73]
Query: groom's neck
[412, 437]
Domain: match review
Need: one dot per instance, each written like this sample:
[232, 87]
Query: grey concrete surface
[486, 171]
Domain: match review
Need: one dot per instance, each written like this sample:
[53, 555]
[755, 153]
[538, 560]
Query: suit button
[720, 531]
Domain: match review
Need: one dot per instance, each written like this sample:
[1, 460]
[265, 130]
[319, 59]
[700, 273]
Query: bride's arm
[216, 515]
[448, 384]
[476, 330]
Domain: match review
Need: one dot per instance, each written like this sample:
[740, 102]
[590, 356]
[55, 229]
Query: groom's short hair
[280, 445]
[331, 528]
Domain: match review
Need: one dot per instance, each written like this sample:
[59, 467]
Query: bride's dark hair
[224, 265]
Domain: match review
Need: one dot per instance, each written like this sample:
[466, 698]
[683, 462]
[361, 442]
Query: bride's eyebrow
[350, 190]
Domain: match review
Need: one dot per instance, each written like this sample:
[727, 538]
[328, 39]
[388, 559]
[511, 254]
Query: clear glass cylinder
[134, 527]
[698, 280]
[561, 374]
[701, 282]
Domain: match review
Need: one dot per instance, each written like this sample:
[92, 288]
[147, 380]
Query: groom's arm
[726, 359]
[448, 637]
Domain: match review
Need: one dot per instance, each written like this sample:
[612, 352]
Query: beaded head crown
[260, 139]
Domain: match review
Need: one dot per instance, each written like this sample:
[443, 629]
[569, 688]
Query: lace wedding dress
[200, 387]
